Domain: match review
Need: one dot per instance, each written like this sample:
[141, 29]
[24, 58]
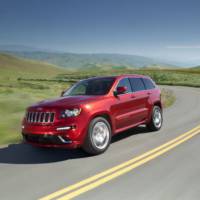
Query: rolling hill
[12, 67]
[76, 61]
[197, 68]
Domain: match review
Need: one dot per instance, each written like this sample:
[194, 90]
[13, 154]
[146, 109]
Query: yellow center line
[120, 169]
[124, 170]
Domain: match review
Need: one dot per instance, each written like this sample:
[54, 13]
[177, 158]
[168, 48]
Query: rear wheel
[98, 136]
[156, 121]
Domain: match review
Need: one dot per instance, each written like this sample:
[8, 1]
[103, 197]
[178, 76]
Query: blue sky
[156, 28]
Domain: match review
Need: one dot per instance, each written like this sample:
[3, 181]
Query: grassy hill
[74, 60]
[13, 67]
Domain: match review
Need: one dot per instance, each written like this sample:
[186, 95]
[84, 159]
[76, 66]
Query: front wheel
[98, 137]
[156, 121]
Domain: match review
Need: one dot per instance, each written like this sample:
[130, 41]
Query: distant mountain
[197, 67]
[73, 60]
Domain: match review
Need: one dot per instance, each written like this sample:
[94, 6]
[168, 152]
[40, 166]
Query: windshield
[95, 86]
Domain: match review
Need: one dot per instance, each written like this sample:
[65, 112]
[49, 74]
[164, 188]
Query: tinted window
[148, 84]
[95, 86]
[137, 84]
[126, 83]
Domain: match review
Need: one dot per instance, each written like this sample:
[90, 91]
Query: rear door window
[148, 84]
[137, 84]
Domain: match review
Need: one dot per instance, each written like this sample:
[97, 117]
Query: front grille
[40, 117]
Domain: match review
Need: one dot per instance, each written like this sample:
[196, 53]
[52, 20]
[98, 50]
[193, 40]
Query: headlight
[70, 112]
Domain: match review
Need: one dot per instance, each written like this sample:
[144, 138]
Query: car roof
[131, 75]
[121, 76]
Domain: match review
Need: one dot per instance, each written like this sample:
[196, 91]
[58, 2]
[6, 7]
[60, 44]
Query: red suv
[92, 110]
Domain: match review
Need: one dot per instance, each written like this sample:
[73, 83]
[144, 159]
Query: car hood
[66, 101]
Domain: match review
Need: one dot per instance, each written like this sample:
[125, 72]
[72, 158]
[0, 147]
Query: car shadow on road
[129, 133]
[26, 154]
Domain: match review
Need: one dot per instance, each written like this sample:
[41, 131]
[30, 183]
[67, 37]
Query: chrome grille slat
[37, 116]
[40, 117]
[52, 117]
[33, 120]
[44, 117]
[32, 117]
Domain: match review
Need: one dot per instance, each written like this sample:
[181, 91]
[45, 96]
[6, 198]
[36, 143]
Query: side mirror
[120, 90]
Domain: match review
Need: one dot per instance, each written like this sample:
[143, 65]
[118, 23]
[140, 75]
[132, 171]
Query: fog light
[22, 127]
[63, 128]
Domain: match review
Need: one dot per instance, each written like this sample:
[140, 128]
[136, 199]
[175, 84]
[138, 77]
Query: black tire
[90, 145]
[153, 125]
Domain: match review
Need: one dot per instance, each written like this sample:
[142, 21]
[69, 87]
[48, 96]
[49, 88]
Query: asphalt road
[28, 173]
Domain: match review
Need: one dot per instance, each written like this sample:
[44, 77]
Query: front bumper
[54, 135]
[48, 140]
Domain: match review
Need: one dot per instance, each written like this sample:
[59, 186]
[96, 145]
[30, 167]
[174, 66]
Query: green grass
[181, 77]
[13, 102]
